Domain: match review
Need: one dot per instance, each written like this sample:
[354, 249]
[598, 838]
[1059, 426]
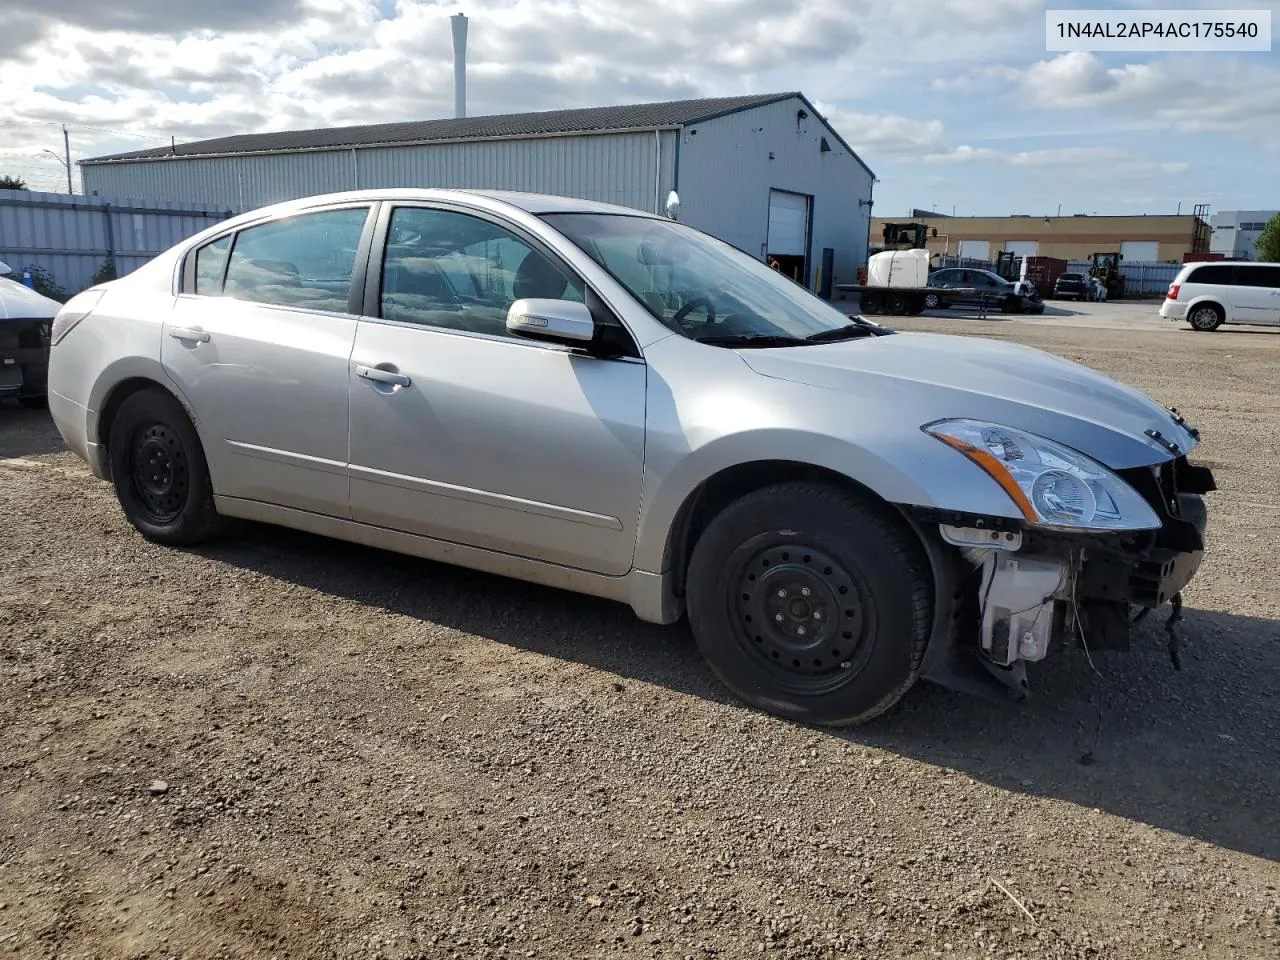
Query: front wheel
[931, 301]
[811, 602]
[159, 471]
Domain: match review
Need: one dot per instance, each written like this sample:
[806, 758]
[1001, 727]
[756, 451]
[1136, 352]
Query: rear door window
[303, 262]
[1258, 277]
[211, 260]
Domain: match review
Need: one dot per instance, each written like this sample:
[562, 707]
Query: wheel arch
[1209, 301]
[710, 497]
[115, 397]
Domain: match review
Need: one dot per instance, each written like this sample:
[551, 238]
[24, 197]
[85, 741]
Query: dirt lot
[283, 746]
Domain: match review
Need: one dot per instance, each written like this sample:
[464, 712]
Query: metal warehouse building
[765, 173]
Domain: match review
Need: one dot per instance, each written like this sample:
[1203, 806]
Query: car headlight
[1054, 486]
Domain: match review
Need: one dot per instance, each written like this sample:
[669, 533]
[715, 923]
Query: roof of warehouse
[671, 113]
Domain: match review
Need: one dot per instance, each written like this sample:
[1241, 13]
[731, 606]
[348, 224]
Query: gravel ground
[284, 746]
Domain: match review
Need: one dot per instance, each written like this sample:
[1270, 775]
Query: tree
[8, 182]
[105, 272]
[43, 283]
[1269, 241]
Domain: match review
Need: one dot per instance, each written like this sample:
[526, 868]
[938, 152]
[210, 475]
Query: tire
[872, 303]
[159, 470]
[898, 305]
[862, 569]
[1205, 317]
[931, 301]
[35, 403]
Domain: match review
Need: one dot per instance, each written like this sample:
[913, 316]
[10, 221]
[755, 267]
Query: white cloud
[940, 81]
[884, 134]
[964, 154]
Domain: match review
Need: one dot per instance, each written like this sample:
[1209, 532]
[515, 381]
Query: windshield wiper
[752, 340]
[850, 332]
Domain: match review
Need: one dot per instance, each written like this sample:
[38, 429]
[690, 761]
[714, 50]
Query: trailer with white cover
[898, 284]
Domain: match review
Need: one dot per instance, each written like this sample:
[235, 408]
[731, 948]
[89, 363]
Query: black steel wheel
[896, 304]
[812, 602]
[159, 470]
[801, 613]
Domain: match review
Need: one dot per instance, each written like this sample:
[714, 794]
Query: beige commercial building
[1145, 239]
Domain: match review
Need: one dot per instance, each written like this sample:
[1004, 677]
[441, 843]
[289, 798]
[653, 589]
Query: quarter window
[452, 270]
[1213, 274]
[211, 259]
[304, 261]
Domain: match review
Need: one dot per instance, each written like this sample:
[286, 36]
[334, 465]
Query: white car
[25, 319]
[601, 399]
[1097, 290]
[1208, 295]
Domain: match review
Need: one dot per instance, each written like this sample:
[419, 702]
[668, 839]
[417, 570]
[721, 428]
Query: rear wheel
[872, 303]
[898, 304]
[159, 471]
[810, 602]
[1205, 317]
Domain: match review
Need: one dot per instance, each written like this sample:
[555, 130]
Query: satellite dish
[673, 204]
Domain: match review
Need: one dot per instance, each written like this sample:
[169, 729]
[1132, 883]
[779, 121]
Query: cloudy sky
[954, 103]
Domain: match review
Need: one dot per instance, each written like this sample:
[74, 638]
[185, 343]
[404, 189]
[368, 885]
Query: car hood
[927, 377]
[20, 302]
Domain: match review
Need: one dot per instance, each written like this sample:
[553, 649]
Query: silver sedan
[613, 403]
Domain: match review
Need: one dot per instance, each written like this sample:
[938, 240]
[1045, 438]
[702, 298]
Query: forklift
[1106, 269]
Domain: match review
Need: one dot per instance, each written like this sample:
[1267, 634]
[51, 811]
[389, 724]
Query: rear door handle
[189, 334]
[382, 376]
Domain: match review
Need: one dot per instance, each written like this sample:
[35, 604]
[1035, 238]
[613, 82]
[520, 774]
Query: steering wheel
[688, 308]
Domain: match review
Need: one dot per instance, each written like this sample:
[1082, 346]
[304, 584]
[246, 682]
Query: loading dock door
[788, 223]
[1139, 251]
[788, 244]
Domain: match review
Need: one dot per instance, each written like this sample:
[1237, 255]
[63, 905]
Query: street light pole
[66, 146]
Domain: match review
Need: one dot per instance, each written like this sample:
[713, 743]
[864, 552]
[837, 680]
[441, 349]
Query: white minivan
[1208, 295]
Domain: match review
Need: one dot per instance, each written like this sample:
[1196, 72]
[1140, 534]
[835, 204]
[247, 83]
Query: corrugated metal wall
[614, 168]
[71, 236]
[728, 166]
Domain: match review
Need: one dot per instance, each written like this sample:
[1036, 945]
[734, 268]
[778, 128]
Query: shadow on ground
[1196, 752]
[25, 432]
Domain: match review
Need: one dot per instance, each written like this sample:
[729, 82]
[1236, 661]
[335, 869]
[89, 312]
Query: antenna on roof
[459, 24]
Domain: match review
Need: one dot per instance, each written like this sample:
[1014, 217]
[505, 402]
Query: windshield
[698, 286]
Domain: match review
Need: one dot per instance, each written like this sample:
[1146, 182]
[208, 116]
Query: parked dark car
[25, 319]
[994, 289]
[1071, 286]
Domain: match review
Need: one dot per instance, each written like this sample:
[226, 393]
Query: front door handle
[382, 376]
[189, 334]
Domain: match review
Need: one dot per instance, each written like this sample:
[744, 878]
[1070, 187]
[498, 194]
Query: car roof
[534, 203]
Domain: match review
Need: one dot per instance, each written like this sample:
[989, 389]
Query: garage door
[975, 249]
[788, 223]
[1140, 251]
[1023, 248]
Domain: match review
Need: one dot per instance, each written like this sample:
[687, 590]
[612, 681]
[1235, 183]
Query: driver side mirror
[566, 322]
[5, 269]
[673, 204]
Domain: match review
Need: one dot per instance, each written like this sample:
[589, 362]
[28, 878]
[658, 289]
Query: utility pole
[66, 146]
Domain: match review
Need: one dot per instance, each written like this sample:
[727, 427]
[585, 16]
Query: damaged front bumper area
[1008, 593]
